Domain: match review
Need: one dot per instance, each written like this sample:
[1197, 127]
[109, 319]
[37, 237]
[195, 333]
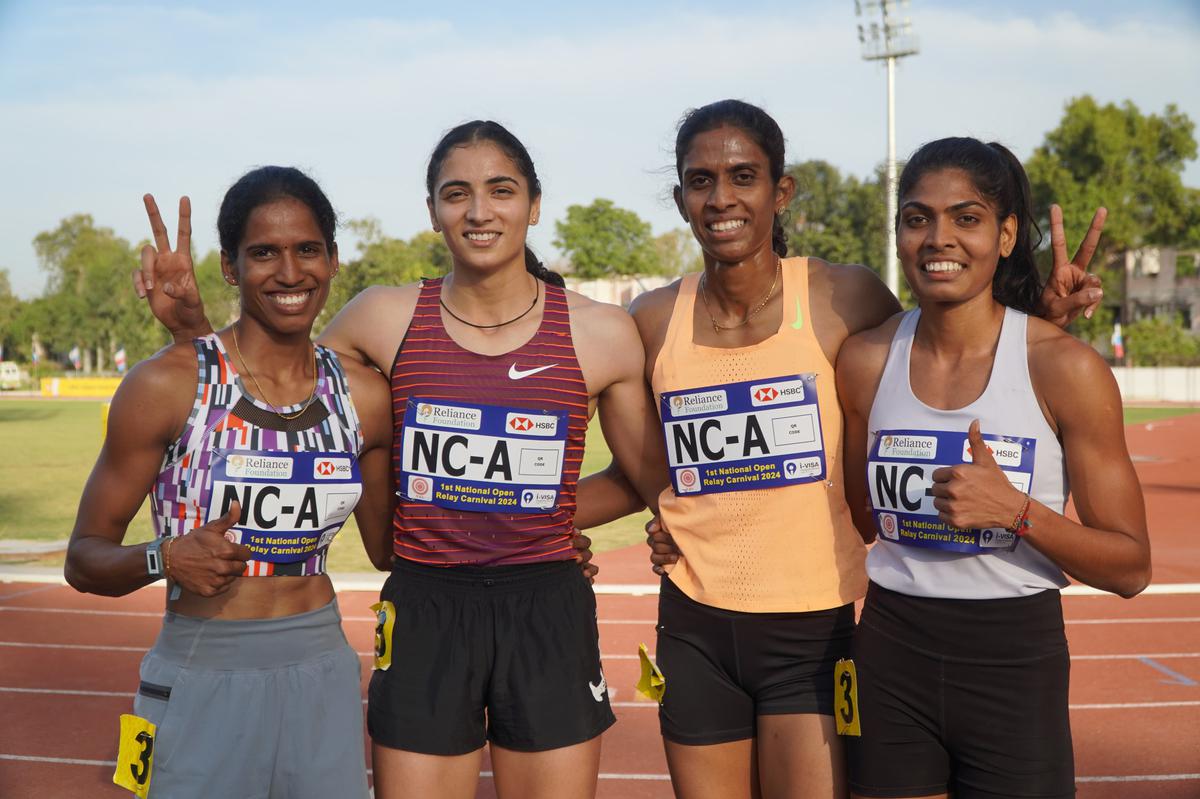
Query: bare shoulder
[371, 326]
[373, 302]
[862, 360]
[1065, 369]
[594, 319]
[364, 379]
[157, 395]
[652, 311]
[855, 293]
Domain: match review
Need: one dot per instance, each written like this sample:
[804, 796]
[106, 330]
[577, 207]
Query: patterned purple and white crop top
[297, 479]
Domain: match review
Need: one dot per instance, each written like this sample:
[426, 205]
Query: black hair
[998, 176]
[264, 185]
[480, 130]
[755, 123]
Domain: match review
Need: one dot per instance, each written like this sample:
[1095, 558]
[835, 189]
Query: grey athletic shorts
[254, 709]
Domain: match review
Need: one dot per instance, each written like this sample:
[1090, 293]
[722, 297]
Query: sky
[100, 103]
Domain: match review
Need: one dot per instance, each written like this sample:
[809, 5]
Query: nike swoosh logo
[516, 374]
[799, 323]
[598, 690]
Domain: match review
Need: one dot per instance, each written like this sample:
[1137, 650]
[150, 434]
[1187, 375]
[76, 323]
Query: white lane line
[603, 655]
[373, 584]
[1152, 656]
[89, 647]
[1132, 705]
[71, 761]
[66, 761]
[27, 592]
[64, 692]
[636, 704]
[651, 622]
[1142, 778]
[1163, 620]
[1105, 706]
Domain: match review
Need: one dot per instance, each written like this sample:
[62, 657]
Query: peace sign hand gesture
[1071, 290]
[167, 278]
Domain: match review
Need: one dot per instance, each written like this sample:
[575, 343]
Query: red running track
[68, 665]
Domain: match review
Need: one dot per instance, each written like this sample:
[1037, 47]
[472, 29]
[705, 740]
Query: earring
[230, 280]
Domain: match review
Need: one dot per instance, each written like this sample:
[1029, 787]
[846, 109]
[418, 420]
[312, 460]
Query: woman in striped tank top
[973, 422]
[757, 605]
[253, 455]
[495, 372]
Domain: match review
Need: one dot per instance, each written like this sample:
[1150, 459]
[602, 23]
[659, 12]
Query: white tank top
[914, 553]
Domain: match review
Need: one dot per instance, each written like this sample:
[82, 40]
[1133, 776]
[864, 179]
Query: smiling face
[728, 196]
[482, 206]
[950, 238]
[282, 266]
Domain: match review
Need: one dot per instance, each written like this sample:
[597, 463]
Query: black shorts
[724, 669]
[961, 695]
[508, 654]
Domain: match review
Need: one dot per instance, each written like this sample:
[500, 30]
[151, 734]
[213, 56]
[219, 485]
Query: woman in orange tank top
[757, 601]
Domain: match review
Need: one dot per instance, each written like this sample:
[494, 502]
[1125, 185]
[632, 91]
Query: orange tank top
[754, 439]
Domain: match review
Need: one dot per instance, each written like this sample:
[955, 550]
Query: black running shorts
[508, 654]
[960, 695]
[723, 668]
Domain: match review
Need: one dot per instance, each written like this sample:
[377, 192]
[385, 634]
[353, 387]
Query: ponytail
[779, 239]
[1017, 283]
[536, 268]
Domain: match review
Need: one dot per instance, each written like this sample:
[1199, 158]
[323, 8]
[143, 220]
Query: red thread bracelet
[1021, 521]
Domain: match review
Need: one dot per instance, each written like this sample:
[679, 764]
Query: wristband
[1021, 523]
[154, 564]
[166, 550]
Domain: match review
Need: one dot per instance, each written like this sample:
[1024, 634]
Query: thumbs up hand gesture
[206, 561]
[976, 495]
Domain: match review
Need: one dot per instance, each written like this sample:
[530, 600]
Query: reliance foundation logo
[699, 402]
[906, 446]
[259, 467]
[449, 416]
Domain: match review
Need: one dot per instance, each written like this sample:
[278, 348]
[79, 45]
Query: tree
[677, 253]
[384, 261]
[1132, 164]
[835, 217]
[9, 308]
[601, 239]
[1161, 342]
[1120, 158]
[88, 302]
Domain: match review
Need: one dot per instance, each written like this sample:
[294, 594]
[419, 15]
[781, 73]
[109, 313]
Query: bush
[1161, 342]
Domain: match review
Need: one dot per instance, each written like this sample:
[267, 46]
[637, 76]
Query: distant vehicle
[10, 375]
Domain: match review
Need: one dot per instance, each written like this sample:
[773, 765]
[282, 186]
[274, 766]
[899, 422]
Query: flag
[75, 358]
[119, 358]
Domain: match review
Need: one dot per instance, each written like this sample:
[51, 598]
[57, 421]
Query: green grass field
[48, 448]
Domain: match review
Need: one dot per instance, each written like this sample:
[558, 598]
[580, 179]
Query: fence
[1159, 383]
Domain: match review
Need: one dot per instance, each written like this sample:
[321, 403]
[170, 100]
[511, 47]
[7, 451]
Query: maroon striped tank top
[534, 403]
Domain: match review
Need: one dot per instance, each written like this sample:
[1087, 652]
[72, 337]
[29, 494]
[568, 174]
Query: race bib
[742, 436]
[135, 754]
[475, 457]
[293, 503]
[900, 474]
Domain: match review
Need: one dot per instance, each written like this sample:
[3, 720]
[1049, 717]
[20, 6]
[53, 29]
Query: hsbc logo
[777, 392]
[527, 424]
[331, 469]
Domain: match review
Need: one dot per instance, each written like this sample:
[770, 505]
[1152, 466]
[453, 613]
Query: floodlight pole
[894, 39]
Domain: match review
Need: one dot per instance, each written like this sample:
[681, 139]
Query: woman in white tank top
[969, 420]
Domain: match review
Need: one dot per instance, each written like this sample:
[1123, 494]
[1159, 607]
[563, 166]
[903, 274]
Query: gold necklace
[263, 394]
[717, 326]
